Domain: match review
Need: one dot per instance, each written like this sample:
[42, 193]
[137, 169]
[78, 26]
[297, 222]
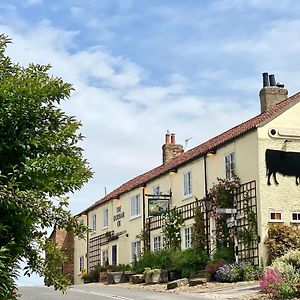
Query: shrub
[280, 283]
[236, 272]
[268, 279]
[281, 239]
[250, 272]
[222, 273]
[190, 261]
[292, 257]
[212, 268]
[230, 273]
[159, 259]
[223, 254]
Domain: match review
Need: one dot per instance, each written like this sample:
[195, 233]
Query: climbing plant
[171, 229]
[221, 195]
[247, 234]
[198, 229]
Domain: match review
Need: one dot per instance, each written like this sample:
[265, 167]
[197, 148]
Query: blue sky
[141, 68]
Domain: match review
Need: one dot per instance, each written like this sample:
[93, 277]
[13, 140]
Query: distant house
[116, 221]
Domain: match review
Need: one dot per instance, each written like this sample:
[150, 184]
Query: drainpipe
[144, 217]
[87, 243]
[206, 204]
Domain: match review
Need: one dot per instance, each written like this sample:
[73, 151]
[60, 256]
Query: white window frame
[135, 206]
[81, 264]
[105, 218]
[157, 243]
[187, 184]
[298, 217]
[156, 190]
[230, 166]
[276, 212]
[135, 250]
[187, 237]
[94, 222]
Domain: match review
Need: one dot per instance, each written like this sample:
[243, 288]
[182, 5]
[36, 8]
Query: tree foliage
[40, 162]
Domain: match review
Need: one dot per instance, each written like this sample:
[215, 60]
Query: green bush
[154, 260]
[292, 257]
[223, 254]
[250, 272]
[190, 261]
[281, 239]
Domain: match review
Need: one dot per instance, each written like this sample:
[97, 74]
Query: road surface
[112, 292]
[91, 292]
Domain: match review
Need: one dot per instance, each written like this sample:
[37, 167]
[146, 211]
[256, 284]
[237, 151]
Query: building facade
[264, 152]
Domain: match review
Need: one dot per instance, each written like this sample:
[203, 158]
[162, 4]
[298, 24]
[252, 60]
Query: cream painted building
[117, 220]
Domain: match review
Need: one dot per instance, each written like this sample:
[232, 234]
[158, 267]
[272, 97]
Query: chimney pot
[167, 138]
[172, 138]
[272, 80]
[265, 79]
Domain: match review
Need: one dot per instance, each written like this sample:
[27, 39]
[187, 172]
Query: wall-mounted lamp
[173, 172]
[211, 152]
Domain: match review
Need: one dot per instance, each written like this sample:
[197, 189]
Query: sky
[142, 67]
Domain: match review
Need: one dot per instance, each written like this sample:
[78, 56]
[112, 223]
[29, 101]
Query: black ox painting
[282, 162]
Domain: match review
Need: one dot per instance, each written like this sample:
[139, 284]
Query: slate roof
[200, 150]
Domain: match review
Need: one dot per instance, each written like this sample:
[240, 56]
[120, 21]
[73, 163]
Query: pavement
[250, 291]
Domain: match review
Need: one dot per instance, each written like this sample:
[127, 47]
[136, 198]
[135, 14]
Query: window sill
[276, 221]
[93, 232]
[134, 217]
[105, 228]
[186, 197]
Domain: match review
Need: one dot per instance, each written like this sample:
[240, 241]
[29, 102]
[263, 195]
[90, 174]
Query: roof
[200, 150]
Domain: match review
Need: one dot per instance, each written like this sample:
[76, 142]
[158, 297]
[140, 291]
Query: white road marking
[116, 297]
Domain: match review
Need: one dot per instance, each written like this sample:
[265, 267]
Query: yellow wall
[284, 197]
[80, 249]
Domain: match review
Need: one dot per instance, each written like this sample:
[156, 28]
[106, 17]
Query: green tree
[40, 162]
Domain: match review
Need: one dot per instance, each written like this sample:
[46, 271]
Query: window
[94, 224]
[155, 191]
[105, 218]
[135, 206]
[295, 217]
[276, 216]
[188, 237]
[187, 184]
[81, 263]
[157, 243]
[230, 166]
[135, 250]
[104, 258]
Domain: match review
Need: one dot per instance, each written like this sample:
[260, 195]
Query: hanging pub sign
[158, 204]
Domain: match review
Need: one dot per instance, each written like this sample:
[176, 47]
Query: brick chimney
[170, 149]
[271, 93]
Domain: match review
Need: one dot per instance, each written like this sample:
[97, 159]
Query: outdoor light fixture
[173, 172]
[211, 152]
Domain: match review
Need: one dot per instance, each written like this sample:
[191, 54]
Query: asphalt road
[109, 292]
[90, 292]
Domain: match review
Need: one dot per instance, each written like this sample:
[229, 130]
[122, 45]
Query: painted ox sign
[282, 162]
